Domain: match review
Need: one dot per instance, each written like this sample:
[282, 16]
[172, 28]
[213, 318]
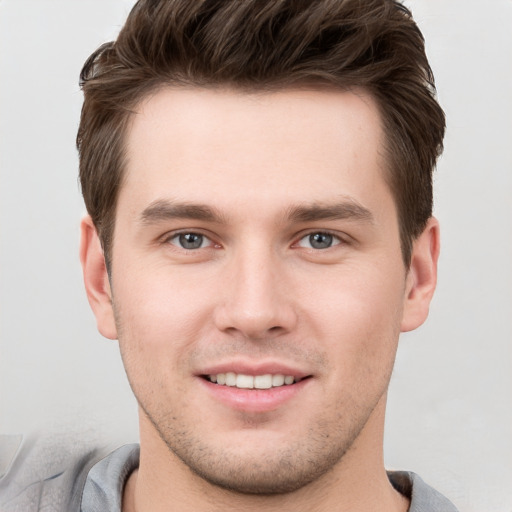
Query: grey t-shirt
[103, 489]
[65, 473]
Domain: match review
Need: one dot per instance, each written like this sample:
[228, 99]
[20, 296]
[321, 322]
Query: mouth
[244, 381]
[256, 388]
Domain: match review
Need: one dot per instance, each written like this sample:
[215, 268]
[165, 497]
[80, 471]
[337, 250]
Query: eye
[190, 241]
[319, 240]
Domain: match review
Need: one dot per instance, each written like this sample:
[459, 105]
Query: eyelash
[168, 240]
[337, 240]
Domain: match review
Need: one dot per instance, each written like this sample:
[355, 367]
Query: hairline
[385, 151]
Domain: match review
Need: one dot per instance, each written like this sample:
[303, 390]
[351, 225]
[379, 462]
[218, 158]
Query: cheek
[357, 315]
[157, 320]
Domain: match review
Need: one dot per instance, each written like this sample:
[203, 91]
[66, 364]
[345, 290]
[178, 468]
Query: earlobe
[422, 277]
[96, 280]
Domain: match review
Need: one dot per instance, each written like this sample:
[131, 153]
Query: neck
[357, 483]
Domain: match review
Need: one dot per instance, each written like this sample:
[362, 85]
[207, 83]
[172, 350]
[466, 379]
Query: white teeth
[277, 380]
[263, 381]
[243, 381]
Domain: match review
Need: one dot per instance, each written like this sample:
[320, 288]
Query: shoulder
[423, 497]
[105, 482]
[45, 472]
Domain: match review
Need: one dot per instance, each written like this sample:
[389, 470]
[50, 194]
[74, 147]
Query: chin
[272, 477]
[263, 465]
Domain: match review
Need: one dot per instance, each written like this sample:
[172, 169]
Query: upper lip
[254, 368]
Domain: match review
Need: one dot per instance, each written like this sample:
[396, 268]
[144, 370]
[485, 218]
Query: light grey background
[450, 405]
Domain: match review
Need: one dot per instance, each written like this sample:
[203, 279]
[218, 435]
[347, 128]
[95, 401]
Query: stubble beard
[271, 473]
[258, 470]
[247, 469]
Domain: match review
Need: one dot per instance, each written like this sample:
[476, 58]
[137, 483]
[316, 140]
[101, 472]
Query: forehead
[209, 145]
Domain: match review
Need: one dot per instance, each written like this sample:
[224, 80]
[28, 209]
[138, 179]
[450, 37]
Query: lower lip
[254, 400]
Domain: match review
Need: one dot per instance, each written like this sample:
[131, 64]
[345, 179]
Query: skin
[256, 293]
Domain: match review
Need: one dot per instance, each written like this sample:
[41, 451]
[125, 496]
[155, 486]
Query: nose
[256, 300]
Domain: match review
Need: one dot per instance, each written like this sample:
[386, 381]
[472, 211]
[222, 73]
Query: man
[258, 181]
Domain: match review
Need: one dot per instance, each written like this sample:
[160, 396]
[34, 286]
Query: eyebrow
[162, 210]
[347, 209]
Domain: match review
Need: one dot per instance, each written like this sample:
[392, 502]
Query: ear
[422, 277]
[96, 280]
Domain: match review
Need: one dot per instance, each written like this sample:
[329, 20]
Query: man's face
[256, 240]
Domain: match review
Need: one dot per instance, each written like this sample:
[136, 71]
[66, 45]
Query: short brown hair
[265, 45]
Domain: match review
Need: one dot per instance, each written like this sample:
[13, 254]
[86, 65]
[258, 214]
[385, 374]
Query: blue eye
[319, 240]
[190, 241]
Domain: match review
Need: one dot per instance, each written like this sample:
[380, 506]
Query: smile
[242, 381]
